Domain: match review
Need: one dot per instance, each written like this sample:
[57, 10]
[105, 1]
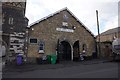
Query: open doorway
[64, 52]
[76, 51]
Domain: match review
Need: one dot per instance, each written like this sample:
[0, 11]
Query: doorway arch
[76, 51]
[64, 52]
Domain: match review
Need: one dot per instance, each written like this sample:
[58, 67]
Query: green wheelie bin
[49, 58]
[53, 59]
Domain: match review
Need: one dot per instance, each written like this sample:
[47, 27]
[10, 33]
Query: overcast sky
[84, 10]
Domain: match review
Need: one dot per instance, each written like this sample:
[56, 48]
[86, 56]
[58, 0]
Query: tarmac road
[101, 70]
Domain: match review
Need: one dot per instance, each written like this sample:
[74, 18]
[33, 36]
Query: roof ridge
[110, 31]
[65, 8]
[47, 16]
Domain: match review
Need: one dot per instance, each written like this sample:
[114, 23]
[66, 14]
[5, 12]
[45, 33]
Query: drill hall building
[59, 33]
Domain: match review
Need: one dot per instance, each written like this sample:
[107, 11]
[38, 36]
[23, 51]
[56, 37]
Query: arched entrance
[64, 51]
[76, 51]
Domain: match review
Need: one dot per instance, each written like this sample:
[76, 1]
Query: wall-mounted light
[26, 31]
[74, 27]
[32, 29]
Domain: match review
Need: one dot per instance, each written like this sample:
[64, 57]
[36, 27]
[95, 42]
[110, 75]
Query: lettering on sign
[64, 23]
[64, 30]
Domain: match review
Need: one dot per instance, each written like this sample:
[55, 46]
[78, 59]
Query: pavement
[32, 67]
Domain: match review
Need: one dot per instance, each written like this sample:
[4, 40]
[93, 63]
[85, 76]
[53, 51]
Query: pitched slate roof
[44, 18]
[111, 31]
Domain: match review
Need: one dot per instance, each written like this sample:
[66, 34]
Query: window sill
[41, 52]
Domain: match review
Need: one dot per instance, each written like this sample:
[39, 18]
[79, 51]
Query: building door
[76, 51]
[64, 51]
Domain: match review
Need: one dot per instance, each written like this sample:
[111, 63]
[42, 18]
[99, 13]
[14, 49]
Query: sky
[84, 10]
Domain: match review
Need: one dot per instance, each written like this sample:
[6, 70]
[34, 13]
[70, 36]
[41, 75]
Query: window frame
[41, 45]
[10, 21]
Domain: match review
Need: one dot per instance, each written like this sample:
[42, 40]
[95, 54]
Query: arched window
[65, 17]
[84, 47]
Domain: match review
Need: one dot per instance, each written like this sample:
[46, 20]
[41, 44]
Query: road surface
[101, 70]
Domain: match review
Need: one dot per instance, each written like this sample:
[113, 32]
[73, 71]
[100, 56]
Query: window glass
[10, 20]
[41, 47]
[84, 47]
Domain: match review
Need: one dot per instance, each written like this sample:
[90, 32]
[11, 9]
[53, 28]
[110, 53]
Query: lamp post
[99, 51]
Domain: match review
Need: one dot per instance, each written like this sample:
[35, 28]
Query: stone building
[14, 25]
[59, 33]
[106, 39]
[109, 35]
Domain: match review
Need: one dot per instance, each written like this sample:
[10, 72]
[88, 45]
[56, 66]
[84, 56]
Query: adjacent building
[106, 39]
[14, 25]
[60, 33]
[109, 35]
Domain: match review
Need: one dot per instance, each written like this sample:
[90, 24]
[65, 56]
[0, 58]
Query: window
[10, 20]
[33, 40]
[84, 47]
[41, 47]
[65, 17]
